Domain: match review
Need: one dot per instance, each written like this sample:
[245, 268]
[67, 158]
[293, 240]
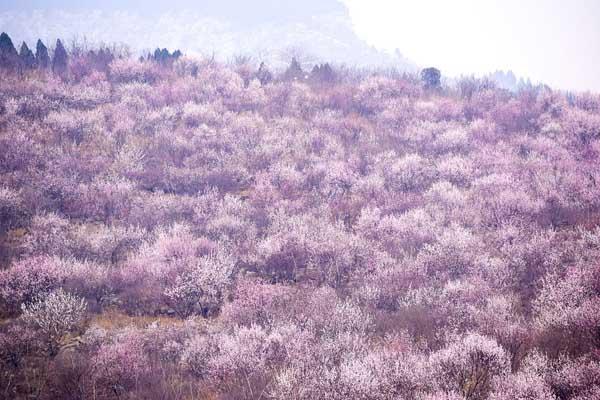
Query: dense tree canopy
[188, 229]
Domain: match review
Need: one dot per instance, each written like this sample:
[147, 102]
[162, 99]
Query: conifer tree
[8, 54]
[156, 55]
[41, 55]
[27, 57]
[263, 74]
[294, 71]
[164, 55]
[60, 59]
[322, 73]
[431, 78]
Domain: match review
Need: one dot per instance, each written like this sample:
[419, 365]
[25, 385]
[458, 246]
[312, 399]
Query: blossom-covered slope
[201, 231]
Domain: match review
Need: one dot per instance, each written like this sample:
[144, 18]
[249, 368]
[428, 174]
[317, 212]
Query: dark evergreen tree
[294, 71]
[322, 74]
[431, 77]
[102, 58]
[164, 55]
[60, 59]
[27, 57]
[263, 74]
[327, 73]
[9, 58]
[41, 55]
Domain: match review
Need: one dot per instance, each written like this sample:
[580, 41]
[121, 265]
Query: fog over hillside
[273, 30]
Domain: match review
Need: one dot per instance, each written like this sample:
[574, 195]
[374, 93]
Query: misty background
[549, 41]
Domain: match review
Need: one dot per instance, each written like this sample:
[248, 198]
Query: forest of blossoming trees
[187, 229]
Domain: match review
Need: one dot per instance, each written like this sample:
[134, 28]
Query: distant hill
[322, 29]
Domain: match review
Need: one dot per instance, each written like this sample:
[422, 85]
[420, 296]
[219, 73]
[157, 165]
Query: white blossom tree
[54, 314]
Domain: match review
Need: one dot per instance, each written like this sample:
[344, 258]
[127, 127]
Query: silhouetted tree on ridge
[163, 56]
[8, 54]
[263, 74]
[42, 58]
[431, 77]
[322, 74]
[294, 71]
[27, 57]
[102, 58]
[60, 59]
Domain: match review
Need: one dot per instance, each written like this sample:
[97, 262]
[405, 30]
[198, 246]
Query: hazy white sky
[555, 41]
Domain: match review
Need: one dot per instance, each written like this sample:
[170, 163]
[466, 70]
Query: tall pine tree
[27, 57]
[41, 55]
[9, 58]
[294, 71]
[60, 59]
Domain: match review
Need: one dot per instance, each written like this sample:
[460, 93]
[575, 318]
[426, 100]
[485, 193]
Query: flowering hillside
[173, 228]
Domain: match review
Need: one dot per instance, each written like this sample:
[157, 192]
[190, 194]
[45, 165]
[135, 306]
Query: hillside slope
[186, 231]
